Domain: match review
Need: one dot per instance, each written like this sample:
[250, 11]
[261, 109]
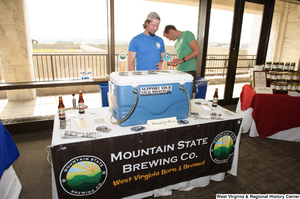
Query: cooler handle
[182, 81]
[182, 88]
[111, 88]
[135, 91]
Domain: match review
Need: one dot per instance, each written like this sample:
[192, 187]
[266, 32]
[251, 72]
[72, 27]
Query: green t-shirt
[183, 49]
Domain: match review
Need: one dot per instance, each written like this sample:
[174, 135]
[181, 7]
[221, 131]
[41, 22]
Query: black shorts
[194, 74]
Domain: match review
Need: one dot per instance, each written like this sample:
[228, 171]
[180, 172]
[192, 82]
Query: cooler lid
[136, 78]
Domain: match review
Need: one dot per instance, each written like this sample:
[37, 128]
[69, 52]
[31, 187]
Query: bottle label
[81, 107]
[215, 101]
[279, 77]
[278, 87]
[284, 87]
[61, 113]
[295, 77]
[273, 86]
[286, 67]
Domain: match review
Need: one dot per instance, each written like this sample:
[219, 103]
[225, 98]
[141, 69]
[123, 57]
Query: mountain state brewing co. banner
[126, 165]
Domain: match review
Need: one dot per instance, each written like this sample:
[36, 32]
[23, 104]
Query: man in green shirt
[186, 48]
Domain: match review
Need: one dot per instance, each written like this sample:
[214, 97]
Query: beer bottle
[61, 109]
[81, 103]
[215, 98]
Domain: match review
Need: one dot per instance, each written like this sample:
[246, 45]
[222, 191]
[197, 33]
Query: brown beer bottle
[61, 109]
[81, 103]
[215, 98]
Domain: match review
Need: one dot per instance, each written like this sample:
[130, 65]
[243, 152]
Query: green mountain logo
[84, 182]
[83, 175]
[223, 147]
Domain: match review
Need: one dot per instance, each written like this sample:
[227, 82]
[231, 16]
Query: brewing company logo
[122, 57]
[157, 45]
[222, 147]
[167, 57]
[83, 175]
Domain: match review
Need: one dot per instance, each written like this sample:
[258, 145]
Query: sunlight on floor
[3, 103]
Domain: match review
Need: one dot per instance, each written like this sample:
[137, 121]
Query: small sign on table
[164, 123]
[260, 78]
[260, 83]
[263, 90]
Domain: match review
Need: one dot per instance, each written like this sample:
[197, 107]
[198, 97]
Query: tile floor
[47, 105]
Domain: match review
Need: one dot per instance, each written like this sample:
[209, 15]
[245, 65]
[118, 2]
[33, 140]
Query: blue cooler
[201, 87]
[149, 95]
[104, 90]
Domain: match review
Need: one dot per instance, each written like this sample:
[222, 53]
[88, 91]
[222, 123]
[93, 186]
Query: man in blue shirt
[147, 49]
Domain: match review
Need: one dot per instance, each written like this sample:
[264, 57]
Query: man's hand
[177, 61]
[159, 65]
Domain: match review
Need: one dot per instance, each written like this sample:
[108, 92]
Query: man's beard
[151, 34]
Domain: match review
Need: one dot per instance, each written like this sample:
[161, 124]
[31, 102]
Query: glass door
[219, 38]
[236, 38]
[251, 28]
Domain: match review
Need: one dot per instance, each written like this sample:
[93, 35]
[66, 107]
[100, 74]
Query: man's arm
[194, 53]
[159, 64]
[131, 60]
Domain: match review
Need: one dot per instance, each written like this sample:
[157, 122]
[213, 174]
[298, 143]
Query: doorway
[235, 38]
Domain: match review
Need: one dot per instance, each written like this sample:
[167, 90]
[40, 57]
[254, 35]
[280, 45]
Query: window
[131, 14]
[69, 36]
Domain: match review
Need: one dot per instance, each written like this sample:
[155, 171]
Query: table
[10, 186]
[269, 115]
[128, 164]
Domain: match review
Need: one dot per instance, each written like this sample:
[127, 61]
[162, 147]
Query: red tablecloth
[271, 112]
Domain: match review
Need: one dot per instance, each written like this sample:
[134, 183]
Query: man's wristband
[183, 59]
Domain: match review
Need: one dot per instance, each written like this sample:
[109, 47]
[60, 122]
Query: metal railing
[217, 65]
[56, 67]
[245, 63]
[52, 67]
